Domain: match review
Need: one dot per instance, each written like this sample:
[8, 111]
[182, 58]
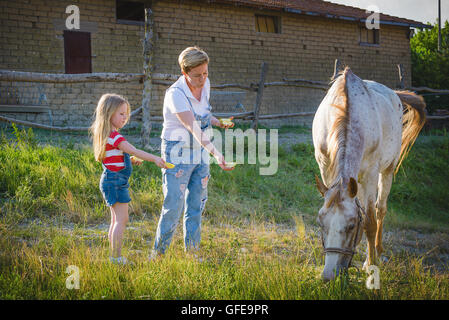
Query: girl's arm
[188, 121]
[127, 147]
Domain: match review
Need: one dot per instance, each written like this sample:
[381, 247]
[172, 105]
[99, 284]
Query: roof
[325, 9]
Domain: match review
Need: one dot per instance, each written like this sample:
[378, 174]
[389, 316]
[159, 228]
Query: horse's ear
[320, 186]
[352, 187]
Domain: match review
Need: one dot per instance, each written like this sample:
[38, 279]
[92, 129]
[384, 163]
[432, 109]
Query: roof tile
[324, 8]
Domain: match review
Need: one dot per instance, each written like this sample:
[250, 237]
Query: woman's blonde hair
[192, 57]
[101, 127]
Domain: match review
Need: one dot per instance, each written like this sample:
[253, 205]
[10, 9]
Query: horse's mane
[337, 135]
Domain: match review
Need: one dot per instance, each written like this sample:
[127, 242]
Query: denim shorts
[114, 184]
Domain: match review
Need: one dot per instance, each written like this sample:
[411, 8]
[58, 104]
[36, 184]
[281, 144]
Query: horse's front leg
[385, 181]
[370, 231]
[370, 225]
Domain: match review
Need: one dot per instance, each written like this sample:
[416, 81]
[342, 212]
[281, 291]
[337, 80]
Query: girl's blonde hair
[101, 127]
[192, 57]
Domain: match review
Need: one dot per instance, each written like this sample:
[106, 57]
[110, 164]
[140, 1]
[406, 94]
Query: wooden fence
[163, 79]
[168, 79]
[421, 89]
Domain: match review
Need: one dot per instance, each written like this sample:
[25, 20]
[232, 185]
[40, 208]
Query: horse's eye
[351, 226]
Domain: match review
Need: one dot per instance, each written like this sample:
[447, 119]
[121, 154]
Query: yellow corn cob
[169, 165]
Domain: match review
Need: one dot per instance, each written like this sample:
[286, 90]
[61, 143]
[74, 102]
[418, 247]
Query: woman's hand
[224, 124]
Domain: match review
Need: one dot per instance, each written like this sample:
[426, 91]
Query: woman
[187, 116]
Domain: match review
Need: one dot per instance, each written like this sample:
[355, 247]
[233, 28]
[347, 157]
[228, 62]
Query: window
[267, 24]
[130, 11]
[369, 36]
[77, 52]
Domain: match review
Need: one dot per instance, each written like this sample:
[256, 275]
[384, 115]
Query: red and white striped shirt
[114, 159]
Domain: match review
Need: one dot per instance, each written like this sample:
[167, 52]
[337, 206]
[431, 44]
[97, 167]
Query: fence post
[337, 66]
[147, 82]
[401, 76]
[259, 95]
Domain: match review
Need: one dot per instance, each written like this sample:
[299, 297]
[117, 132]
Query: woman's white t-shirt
[175, 102]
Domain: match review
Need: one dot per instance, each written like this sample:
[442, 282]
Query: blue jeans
[114, 184]
[185, 190]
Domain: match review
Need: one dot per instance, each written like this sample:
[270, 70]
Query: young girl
[112, 150]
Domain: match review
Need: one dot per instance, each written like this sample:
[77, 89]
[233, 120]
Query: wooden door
[77, 52]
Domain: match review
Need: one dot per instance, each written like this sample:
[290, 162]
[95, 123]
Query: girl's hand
[160, 162]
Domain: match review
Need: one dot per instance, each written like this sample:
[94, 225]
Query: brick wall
[32, 40]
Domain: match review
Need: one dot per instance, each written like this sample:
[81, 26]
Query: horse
[362, 131]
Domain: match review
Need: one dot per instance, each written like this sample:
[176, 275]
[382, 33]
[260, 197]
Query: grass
[259, 237]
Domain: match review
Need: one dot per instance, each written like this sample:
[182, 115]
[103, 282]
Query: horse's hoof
[365, 266]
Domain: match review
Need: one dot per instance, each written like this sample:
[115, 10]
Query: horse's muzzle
[330, 274]
[331, 270]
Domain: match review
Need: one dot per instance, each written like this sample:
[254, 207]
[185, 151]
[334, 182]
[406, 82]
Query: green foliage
[24, 138]
[430, 67]
[421, 184]
[46, 180]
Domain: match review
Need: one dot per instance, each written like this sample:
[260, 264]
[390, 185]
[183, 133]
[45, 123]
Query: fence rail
[22, 76]
[159, 79]
[168, 79]
[425, 89]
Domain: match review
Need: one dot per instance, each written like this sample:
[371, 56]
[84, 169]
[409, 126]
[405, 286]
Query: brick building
[297, 38]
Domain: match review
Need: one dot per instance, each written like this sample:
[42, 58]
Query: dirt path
[287, 140]
[432, 248]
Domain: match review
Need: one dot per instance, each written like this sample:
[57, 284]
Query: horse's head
[341, 222]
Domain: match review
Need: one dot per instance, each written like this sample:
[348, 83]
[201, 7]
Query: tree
[430, 68]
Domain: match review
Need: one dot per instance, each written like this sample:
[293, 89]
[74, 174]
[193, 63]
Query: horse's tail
[413, 120]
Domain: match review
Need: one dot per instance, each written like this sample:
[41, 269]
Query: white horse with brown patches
[362, 131]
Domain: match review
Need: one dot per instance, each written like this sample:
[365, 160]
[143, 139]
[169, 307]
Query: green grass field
[259, 236]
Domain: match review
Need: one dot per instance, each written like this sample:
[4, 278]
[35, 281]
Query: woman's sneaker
[120, 261]
[153, 255]
[195, 256]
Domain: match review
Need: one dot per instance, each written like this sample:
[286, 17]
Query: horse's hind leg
[384, 187]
